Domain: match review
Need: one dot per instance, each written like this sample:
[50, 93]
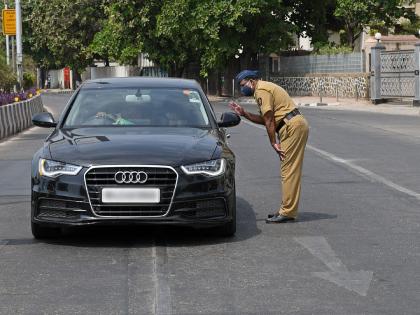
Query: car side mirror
[229, 119]
[45, 120]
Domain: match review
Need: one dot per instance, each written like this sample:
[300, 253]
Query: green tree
[408, 27]
[104, 45]
[58, 32]
[7, 77]
[312, 18]
[358, 14]
[122, 33]
[179, 32]
[265, 29]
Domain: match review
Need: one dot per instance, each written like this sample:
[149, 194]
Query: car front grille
[164, 178]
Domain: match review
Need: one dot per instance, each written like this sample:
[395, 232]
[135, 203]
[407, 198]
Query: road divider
[18, 116]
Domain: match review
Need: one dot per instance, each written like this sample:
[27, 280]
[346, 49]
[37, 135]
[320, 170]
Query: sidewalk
[349, 104]
[397, 107]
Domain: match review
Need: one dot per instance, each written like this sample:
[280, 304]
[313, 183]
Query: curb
[223, 99]
[57, 92]
[313, 104]
[18, 116]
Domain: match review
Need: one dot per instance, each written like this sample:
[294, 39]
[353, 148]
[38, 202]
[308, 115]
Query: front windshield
[153, 107]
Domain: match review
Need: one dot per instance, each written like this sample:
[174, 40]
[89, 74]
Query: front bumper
[199, 201]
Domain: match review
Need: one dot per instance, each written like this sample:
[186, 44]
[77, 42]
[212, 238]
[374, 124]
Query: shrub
[8, 98]
[331, 49]
[28, 80]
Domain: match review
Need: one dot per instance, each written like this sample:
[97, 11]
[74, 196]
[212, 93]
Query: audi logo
[128, 177]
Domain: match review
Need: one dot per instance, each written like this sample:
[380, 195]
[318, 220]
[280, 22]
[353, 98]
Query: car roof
[147, 82]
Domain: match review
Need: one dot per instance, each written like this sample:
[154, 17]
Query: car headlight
[51, 168]
[211, 168]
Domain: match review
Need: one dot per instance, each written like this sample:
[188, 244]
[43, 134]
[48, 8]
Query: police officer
[280, 116]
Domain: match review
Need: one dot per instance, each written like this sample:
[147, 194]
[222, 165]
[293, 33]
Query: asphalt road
[354, 250]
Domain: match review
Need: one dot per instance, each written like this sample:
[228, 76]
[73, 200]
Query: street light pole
[7, 42]
[13, 54]
[7, 50]
[19, 55]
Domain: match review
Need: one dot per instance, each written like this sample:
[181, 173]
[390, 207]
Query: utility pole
[7, 50]
[7, 42]
[19, 55]
[13, 55]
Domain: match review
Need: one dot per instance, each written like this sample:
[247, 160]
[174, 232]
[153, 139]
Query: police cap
[246, 74]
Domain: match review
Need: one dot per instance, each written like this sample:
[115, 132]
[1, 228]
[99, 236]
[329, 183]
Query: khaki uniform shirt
[270, 96]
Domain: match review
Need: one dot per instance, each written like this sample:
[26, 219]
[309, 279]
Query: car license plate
[130, 195]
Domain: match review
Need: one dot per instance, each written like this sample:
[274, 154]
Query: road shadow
[310, 216]
[18, 241]
[147, 236]
[315, 216]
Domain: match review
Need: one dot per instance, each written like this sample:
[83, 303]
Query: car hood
[133, 146]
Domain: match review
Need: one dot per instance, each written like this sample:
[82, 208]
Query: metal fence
[341, 63]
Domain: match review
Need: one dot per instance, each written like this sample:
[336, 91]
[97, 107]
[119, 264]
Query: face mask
[246, 90]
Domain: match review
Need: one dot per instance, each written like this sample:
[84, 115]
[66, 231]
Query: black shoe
[279, 219]
[270, 215]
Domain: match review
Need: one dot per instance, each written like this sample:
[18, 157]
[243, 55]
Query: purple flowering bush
[8, 98]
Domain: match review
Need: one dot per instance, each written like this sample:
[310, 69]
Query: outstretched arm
[242, 112]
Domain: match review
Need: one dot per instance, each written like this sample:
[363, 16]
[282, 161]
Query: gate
[397, 74]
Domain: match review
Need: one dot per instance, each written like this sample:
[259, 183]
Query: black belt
[288, 116]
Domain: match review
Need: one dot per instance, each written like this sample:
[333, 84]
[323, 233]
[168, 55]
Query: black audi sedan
[135, 151]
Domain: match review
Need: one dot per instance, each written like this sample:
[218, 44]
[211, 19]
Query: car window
[137, 107]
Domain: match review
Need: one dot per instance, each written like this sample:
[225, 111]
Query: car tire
[227, 230]
[41, 232]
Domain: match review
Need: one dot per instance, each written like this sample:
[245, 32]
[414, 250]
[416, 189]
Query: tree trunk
[76, 78]
[179, 72]
[43, 77]
[173, 70]
[249, 61]
[219, 83]
[350, 37]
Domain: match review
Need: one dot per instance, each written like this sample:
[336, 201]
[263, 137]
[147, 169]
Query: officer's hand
[280, 152]
[238, 109]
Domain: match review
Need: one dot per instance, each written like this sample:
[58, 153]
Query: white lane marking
[365, 172]
[163, 303]
[358, 169]
[356, 281]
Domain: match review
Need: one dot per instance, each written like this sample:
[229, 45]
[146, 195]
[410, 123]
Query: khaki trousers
[293, 136]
